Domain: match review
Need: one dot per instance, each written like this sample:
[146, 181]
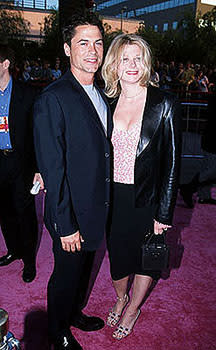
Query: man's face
[86, 52]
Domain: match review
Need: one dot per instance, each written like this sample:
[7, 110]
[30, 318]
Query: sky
[52, 3]
[209, 2]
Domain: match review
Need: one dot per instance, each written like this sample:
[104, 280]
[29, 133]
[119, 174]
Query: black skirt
[128, 228]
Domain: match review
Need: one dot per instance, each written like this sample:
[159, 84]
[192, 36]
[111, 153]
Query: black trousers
[67, 287]
[17, 209]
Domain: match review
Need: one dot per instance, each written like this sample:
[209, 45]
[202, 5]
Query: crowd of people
[194, 77]
[108, 159]
[37, 70]
[172, 76]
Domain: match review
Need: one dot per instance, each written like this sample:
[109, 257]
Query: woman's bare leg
[120, 287]
[140, 288]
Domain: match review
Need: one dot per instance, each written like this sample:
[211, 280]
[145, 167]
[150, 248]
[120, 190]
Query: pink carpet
[179, 314]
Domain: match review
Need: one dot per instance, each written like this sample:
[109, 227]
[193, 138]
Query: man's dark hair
[69, 30]
[6, 53]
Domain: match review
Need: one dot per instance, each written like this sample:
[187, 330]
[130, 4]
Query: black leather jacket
[158, 154]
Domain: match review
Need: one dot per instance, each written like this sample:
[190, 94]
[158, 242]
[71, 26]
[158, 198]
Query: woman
[202, 81]
[146, 146]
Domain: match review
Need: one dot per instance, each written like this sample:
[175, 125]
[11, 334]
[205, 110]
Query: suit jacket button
[107, 155]
[107, 179]
[106, 204]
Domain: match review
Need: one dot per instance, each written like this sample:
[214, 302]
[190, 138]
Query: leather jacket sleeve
[170, 162]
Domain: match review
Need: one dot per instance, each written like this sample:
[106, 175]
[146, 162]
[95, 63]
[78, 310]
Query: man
[187, 76]
[17, 167]
[72, 126]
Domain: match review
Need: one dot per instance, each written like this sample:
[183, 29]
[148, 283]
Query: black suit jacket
[73, 155]
[158, 154]
[21, 128]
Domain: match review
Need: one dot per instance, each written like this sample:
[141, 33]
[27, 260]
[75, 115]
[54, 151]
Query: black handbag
[155, 253]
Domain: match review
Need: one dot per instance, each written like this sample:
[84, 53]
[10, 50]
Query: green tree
[189, 38]
[13, 30]
[109, 35]
[194, 40]
[51, 46]
[152, 38]
[207, 27]
[13, 25]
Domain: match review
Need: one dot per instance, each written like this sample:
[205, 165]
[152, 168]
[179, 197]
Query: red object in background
[89, 4]
[4, 124]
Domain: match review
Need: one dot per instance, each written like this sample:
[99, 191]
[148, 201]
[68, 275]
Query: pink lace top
[124, 147]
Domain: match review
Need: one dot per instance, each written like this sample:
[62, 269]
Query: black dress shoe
[207, 201]
[67, 342]
[7, 259]
[87, 323]
[187, 195]
[29, 273]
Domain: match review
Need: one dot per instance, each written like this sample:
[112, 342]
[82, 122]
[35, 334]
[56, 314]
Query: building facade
[125, 15]
[33, 11]
[162, 15]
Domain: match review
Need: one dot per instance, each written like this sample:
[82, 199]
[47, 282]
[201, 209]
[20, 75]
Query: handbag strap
[153, 234]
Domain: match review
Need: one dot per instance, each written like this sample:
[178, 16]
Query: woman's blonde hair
[113, 57]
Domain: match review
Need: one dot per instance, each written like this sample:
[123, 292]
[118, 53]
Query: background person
[146, 144]
[56, 72]
[17, 168]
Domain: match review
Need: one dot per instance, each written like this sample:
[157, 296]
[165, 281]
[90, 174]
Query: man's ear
[67, 49]
[6, 64]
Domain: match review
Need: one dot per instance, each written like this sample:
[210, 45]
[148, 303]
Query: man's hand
[38, 177]
[159, 228]
[72, 243]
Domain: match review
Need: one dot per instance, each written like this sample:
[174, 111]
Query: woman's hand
[159, 228]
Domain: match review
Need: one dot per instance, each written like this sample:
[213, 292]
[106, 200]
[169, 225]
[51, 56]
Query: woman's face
[130, 68]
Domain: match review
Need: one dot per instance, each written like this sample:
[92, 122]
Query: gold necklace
[133, 95]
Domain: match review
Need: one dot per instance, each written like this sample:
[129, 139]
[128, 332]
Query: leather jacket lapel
[152, 115]
[151, 118]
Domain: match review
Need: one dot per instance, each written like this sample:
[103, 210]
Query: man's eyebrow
[82, 40]
[86, 40]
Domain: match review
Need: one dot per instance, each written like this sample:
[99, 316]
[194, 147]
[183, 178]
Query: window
[165, 27]
[157, 7]
[175, 25]
[155, 27]
[108, 4]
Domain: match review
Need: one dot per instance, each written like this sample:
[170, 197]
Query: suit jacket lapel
[86, 100]
[15, 107]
